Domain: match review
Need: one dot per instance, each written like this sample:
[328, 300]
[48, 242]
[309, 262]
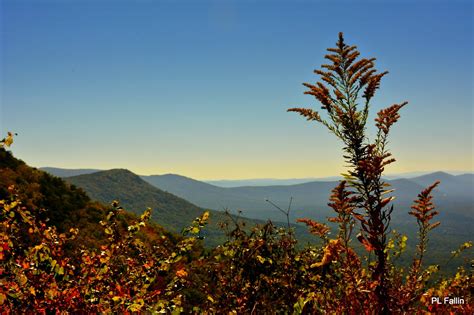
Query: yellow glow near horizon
[278, 170]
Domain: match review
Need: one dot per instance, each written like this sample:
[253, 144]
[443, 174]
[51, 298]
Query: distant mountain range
[294, 181]
[229, 183]
[177, 200]
[310, 199]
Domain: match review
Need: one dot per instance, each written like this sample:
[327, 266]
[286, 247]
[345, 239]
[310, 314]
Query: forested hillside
[168, 210]
[62, 205]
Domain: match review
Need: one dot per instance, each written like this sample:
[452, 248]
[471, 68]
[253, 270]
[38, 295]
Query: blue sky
[201, 88]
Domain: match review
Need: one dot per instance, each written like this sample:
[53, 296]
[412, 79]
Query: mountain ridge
[63, 205]
[231, 183]
[307, 197]
[135, 195]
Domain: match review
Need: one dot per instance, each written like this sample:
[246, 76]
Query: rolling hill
[459, 186]
[62, 205]
[136, 195]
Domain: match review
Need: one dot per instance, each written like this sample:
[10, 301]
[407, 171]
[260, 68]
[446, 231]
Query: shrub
[349, 84]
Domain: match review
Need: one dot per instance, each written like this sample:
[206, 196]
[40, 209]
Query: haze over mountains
[309, 198]
[228, 183]
[177, 200]
[456, 193]
[293, 181]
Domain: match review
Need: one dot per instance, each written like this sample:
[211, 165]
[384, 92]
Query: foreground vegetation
[125, 265]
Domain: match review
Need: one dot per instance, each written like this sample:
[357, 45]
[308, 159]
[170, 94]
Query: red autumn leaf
[368, 246]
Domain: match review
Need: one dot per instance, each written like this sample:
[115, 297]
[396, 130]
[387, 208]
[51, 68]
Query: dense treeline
[121, 264]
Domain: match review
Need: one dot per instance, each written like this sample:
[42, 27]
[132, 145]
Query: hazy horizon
[201, 89]
[209, 180]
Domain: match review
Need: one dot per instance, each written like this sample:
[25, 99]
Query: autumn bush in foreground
[349, 84]
[124, 275]
[258, 270]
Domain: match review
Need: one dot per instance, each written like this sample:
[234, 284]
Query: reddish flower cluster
[309, 114]
[316, 228]
[388, 116]
[423, 209]
[343, 202]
